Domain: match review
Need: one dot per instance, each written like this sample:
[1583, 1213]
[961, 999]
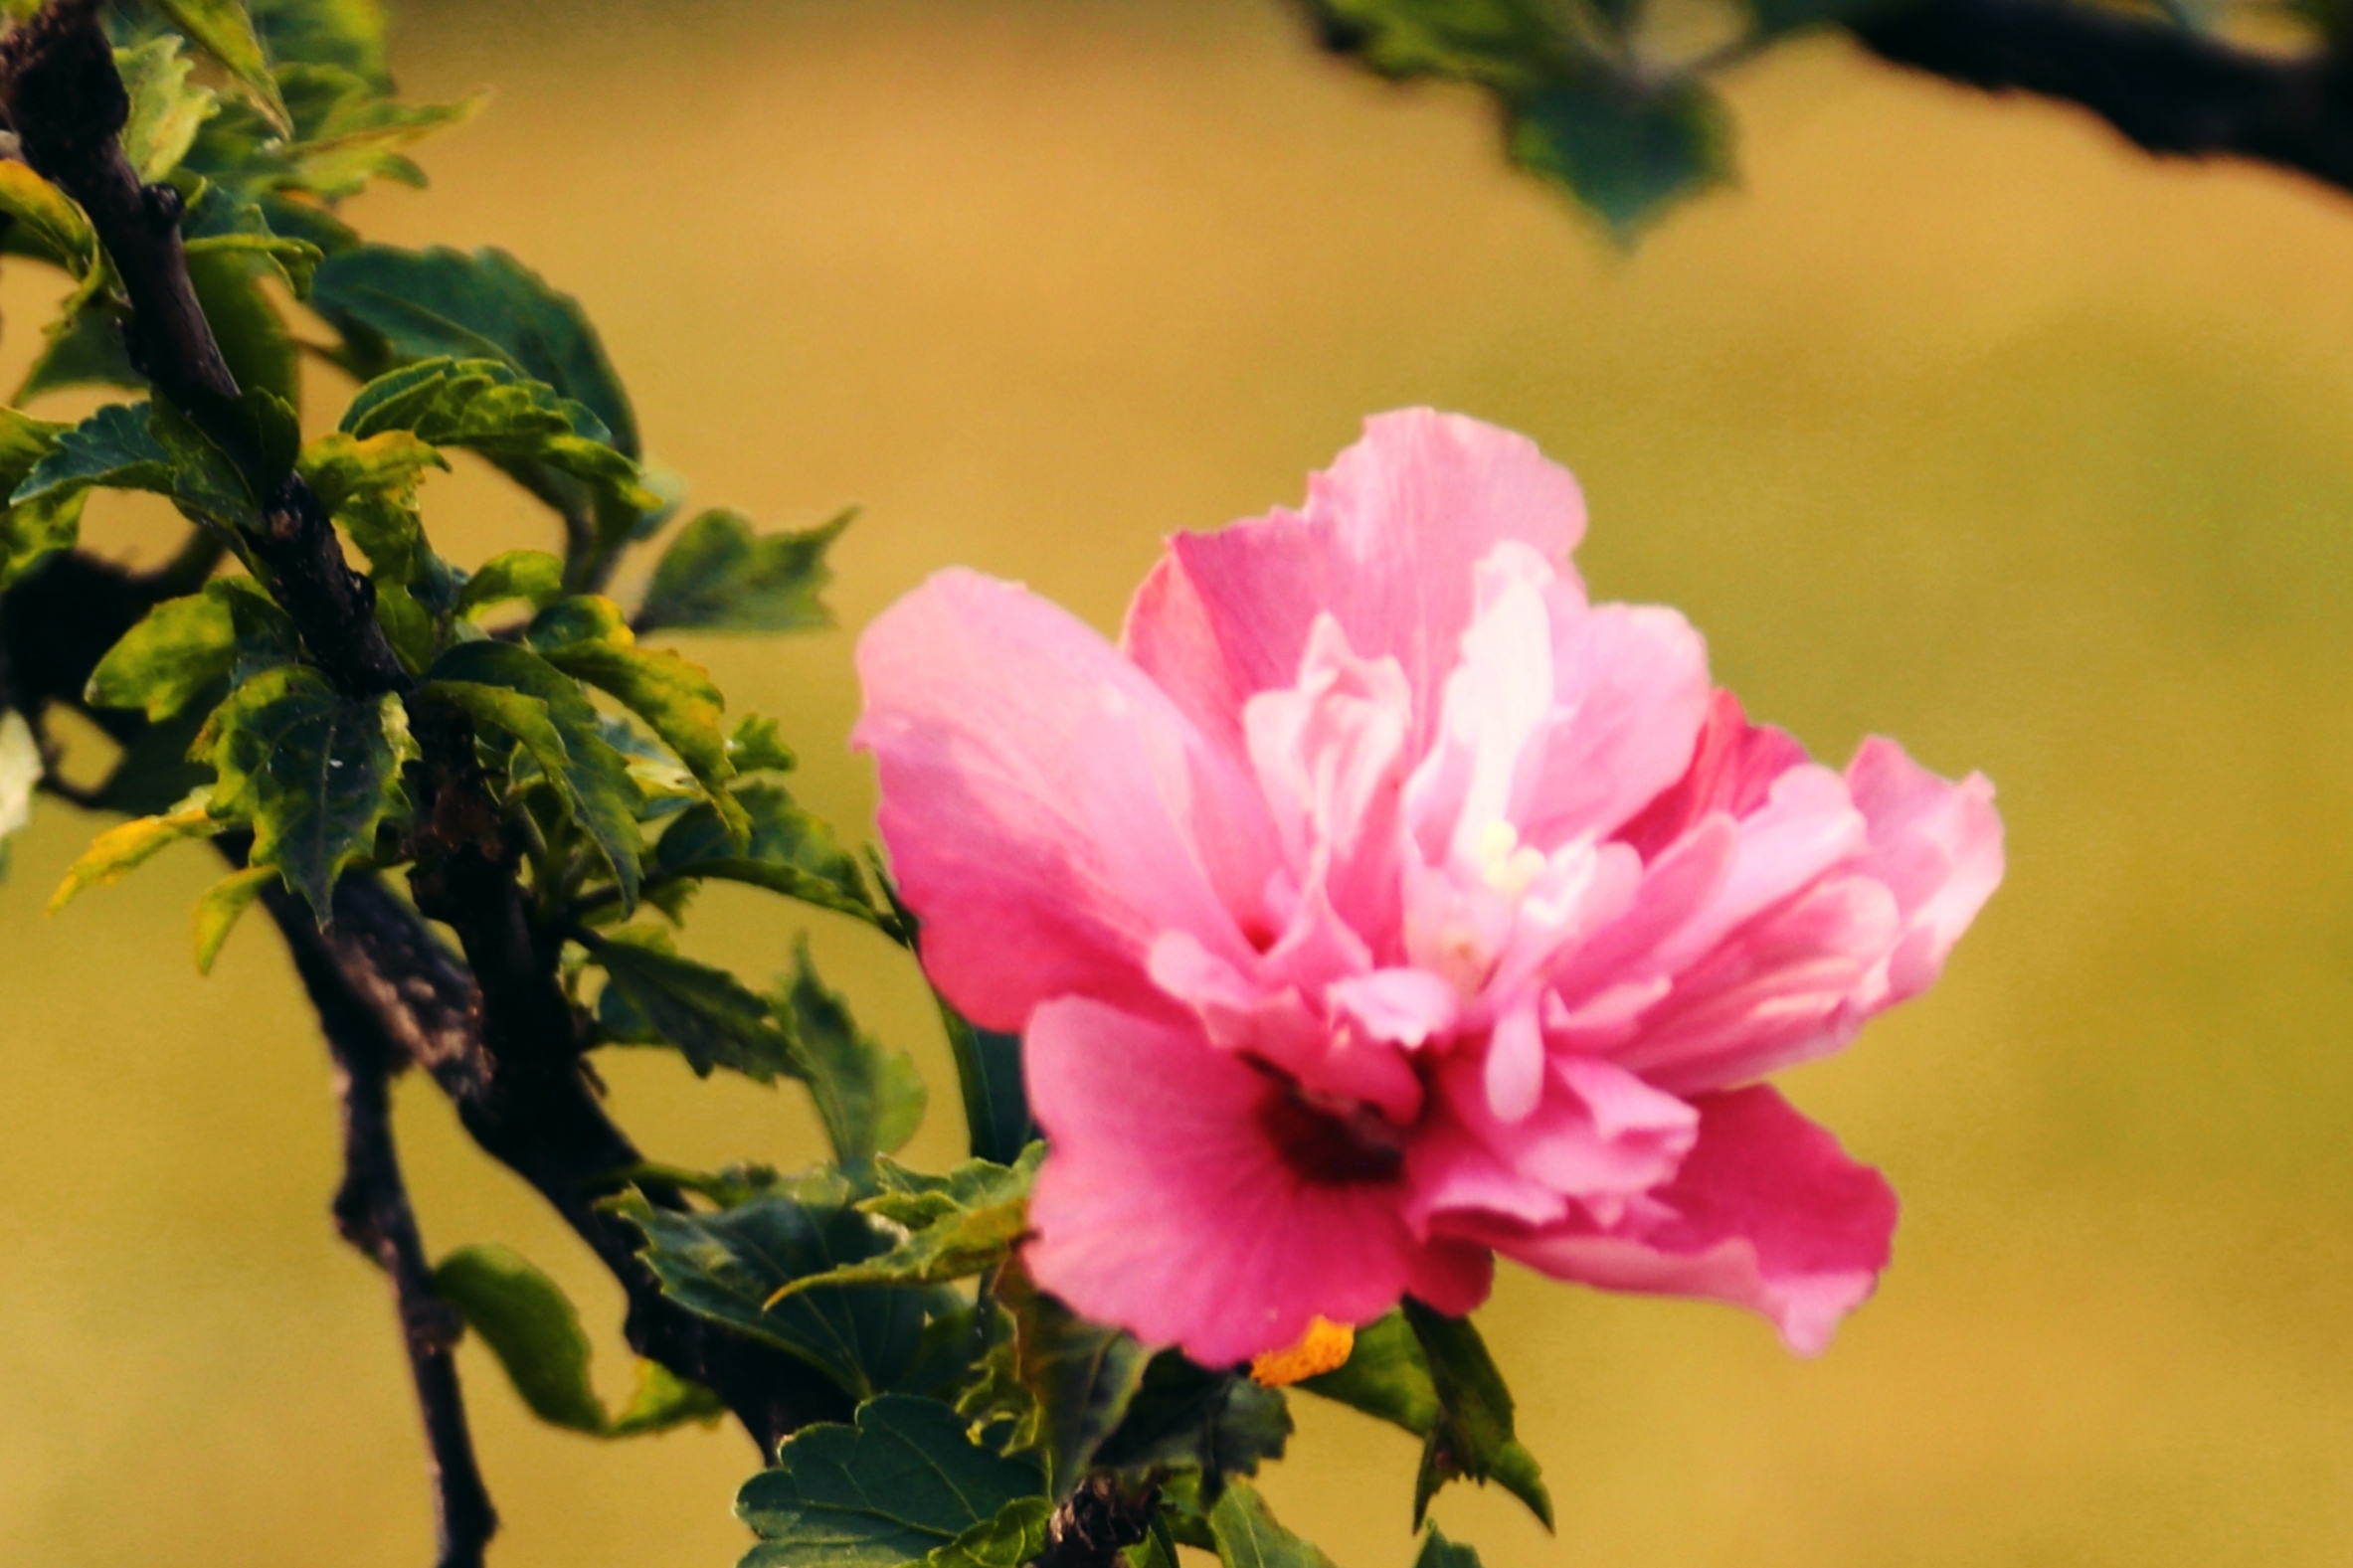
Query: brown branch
[1096, 1524]
[373, 1213]
[2170, 91]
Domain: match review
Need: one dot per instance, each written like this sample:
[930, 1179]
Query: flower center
[1504, 864]
[1331, 1145]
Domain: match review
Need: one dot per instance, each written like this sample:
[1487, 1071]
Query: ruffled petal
[1935, 845]
[1048, 811]
[1766, 1212]
[1388, 544]
[1630, 697]
[1732, 768]
[1169, 1206]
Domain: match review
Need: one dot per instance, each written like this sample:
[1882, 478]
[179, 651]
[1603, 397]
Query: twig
[1096, 1524]
[2170, 91]
[373, 1213]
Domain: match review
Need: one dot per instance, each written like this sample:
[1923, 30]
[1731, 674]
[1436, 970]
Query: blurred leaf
[664, 1400]
[34, 528]
[347, 133]
[790, 851]
[165, 111]
[405, 305]
[1385, 1375]
[1015, 1536]
[485, 406]
[514, 690]
[1249, 1536]
[989, 1072]
[530, 1324]
[1439, 1552]
[21, 770]
[871, 1099]
[957, 1225]
[223, 904]
[1186, 1417]
[755, 748]
[726, 1266]
[314, 773]
[85, 350]
[532, 576]
[122, 849]
[345, 33]
[369, 487]
[710, 1016]
[1628, 151]
[1081, 1377]
[185, 645]
[46, 222]
[719, 576]
[587, 638]
[902, 1483]
[226, 273]
[222, 29]
[1471, 1437]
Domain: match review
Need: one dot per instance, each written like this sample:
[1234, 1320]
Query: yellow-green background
[1957, 420]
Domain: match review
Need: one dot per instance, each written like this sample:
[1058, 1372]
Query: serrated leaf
[725, 1267]
[720, 575]
[346, 33]
[347, 132]
[314, 773]
[530, 1324]
[1186, 1417]
[21, 771]
[1627, 150]
[788, 851]
[37, 528]
[1436, 1551]
[113, 448]
[422, 304]
[1471, 1437]
[664, 1400]
[124, 848]
[515, 691]
[1080, 1376]
[185, 646]
[754, 747]
[957, 1225]
[223, 904]
[1015, 1536]
[903, 1482]
[485, 406]
[587, 638]
[531, 576]
[83, 350]
[871, 1099]
[1386, 1376]
[165, 111]
[46, 221]
[222, 30]
[1249, 1536]
[712, 1017]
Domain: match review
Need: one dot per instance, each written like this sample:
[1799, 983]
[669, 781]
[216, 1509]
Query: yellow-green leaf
[49, 219]
[165, 111]
[223, 904]
[121, 850]
[222, 30]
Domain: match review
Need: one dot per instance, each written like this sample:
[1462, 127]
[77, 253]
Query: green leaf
[83, 350]
[293, 259]
[664, 1400]
[345, 33]
[726, 1266]
[185, 646]
[532, 576]
[484, 405]
[122, 849]
[1015, 1536]
[150, 447]
[347, 133]
[21, 771]
[871, 1099]
[47, 222]
[1471, 1437]
[165, 111]
[719, 576]
[1385, 1375]
[902, 1483]
[989, 1072]
[113, 448]
[1249, 1536]
[370, 488]
[223, 904]
[710, 1016]
[404, 305]
[790, 851]
[957, 1225]
[1627, 150]
[1439, 1552]
[1081, 1377]
[316, 774]
[35, 529]
[529, 1323]
[222, 29]
[513, 690]
[587, 638]
[755, 748]
[1185, 1417]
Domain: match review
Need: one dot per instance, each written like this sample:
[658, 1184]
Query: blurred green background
[1957, 421]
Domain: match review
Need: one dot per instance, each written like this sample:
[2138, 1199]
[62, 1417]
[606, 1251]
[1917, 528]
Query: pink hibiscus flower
[1381, 904]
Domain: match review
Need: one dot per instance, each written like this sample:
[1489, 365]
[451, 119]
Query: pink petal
[1049, 812]
[1169, 1206]
[1766, 1212]
[1409, 1007]
[1937, 845]
[1630, 695]
[1386, 543]
[1732, 768]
